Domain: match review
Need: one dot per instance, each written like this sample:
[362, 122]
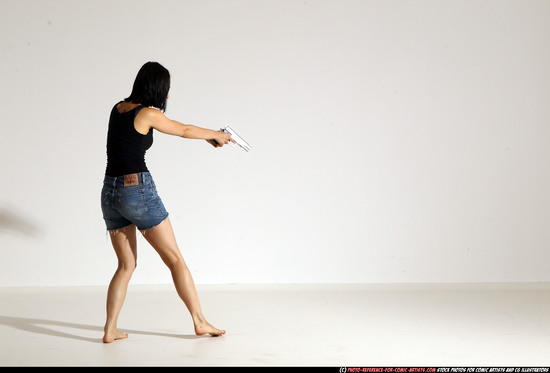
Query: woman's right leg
[125, 245]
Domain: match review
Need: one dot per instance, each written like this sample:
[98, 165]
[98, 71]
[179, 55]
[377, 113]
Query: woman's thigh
[163, 240]
[125, 244]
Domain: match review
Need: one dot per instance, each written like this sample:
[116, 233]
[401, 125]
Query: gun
[238, 139]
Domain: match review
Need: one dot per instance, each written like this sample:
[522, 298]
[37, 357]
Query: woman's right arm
[152, 118]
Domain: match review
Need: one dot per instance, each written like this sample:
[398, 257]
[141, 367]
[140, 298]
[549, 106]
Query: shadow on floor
[47, 327]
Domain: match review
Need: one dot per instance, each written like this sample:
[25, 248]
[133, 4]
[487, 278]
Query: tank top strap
[138, 109]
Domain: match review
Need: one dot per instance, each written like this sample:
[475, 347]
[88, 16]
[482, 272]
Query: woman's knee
[175, 263]
[127, 266]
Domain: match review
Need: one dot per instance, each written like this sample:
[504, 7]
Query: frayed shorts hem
[142, 230]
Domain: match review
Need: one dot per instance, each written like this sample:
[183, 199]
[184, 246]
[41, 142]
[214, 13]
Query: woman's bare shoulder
[150, 113]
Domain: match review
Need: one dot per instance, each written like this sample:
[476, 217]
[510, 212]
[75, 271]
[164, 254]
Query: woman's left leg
[163, 241]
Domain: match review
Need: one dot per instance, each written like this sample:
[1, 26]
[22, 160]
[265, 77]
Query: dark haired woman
[129, 198]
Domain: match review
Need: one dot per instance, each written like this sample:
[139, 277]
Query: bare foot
[111, 336]
[204, 328]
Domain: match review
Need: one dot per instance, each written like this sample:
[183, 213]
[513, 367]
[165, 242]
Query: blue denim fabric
[138, 204]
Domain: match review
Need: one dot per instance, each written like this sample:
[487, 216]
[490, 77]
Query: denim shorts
[137, 204]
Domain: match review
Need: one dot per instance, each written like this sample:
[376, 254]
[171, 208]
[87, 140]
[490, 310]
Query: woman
[129, 199]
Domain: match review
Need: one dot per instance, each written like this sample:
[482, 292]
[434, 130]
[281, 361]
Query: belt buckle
[131, 180]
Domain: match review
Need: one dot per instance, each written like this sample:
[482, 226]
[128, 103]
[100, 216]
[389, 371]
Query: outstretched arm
[153, 118]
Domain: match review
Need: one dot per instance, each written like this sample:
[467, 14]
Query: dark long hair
[151, 86]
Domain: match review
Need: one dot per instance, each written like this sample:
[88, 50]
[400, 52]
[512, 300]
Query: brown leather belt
[131, 180]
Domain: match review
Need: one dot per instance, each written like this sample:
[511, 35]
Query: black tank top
[126, 147]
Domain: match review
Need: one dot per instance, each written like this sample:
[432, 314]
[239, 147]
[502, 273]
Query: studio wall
[392, 141]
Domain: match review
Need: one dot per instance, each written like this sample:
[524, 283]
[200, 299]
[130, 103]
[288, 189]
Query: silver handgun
[238, 139]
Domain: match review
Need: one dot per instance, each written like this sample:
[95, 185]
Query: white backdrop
[393, 141]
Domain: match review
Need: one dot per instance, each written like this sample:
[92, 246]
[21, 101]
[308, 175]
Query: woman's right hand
[221, 138]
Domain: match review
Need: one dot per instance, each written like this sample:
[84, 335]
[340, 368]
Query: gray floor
[284, 325]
